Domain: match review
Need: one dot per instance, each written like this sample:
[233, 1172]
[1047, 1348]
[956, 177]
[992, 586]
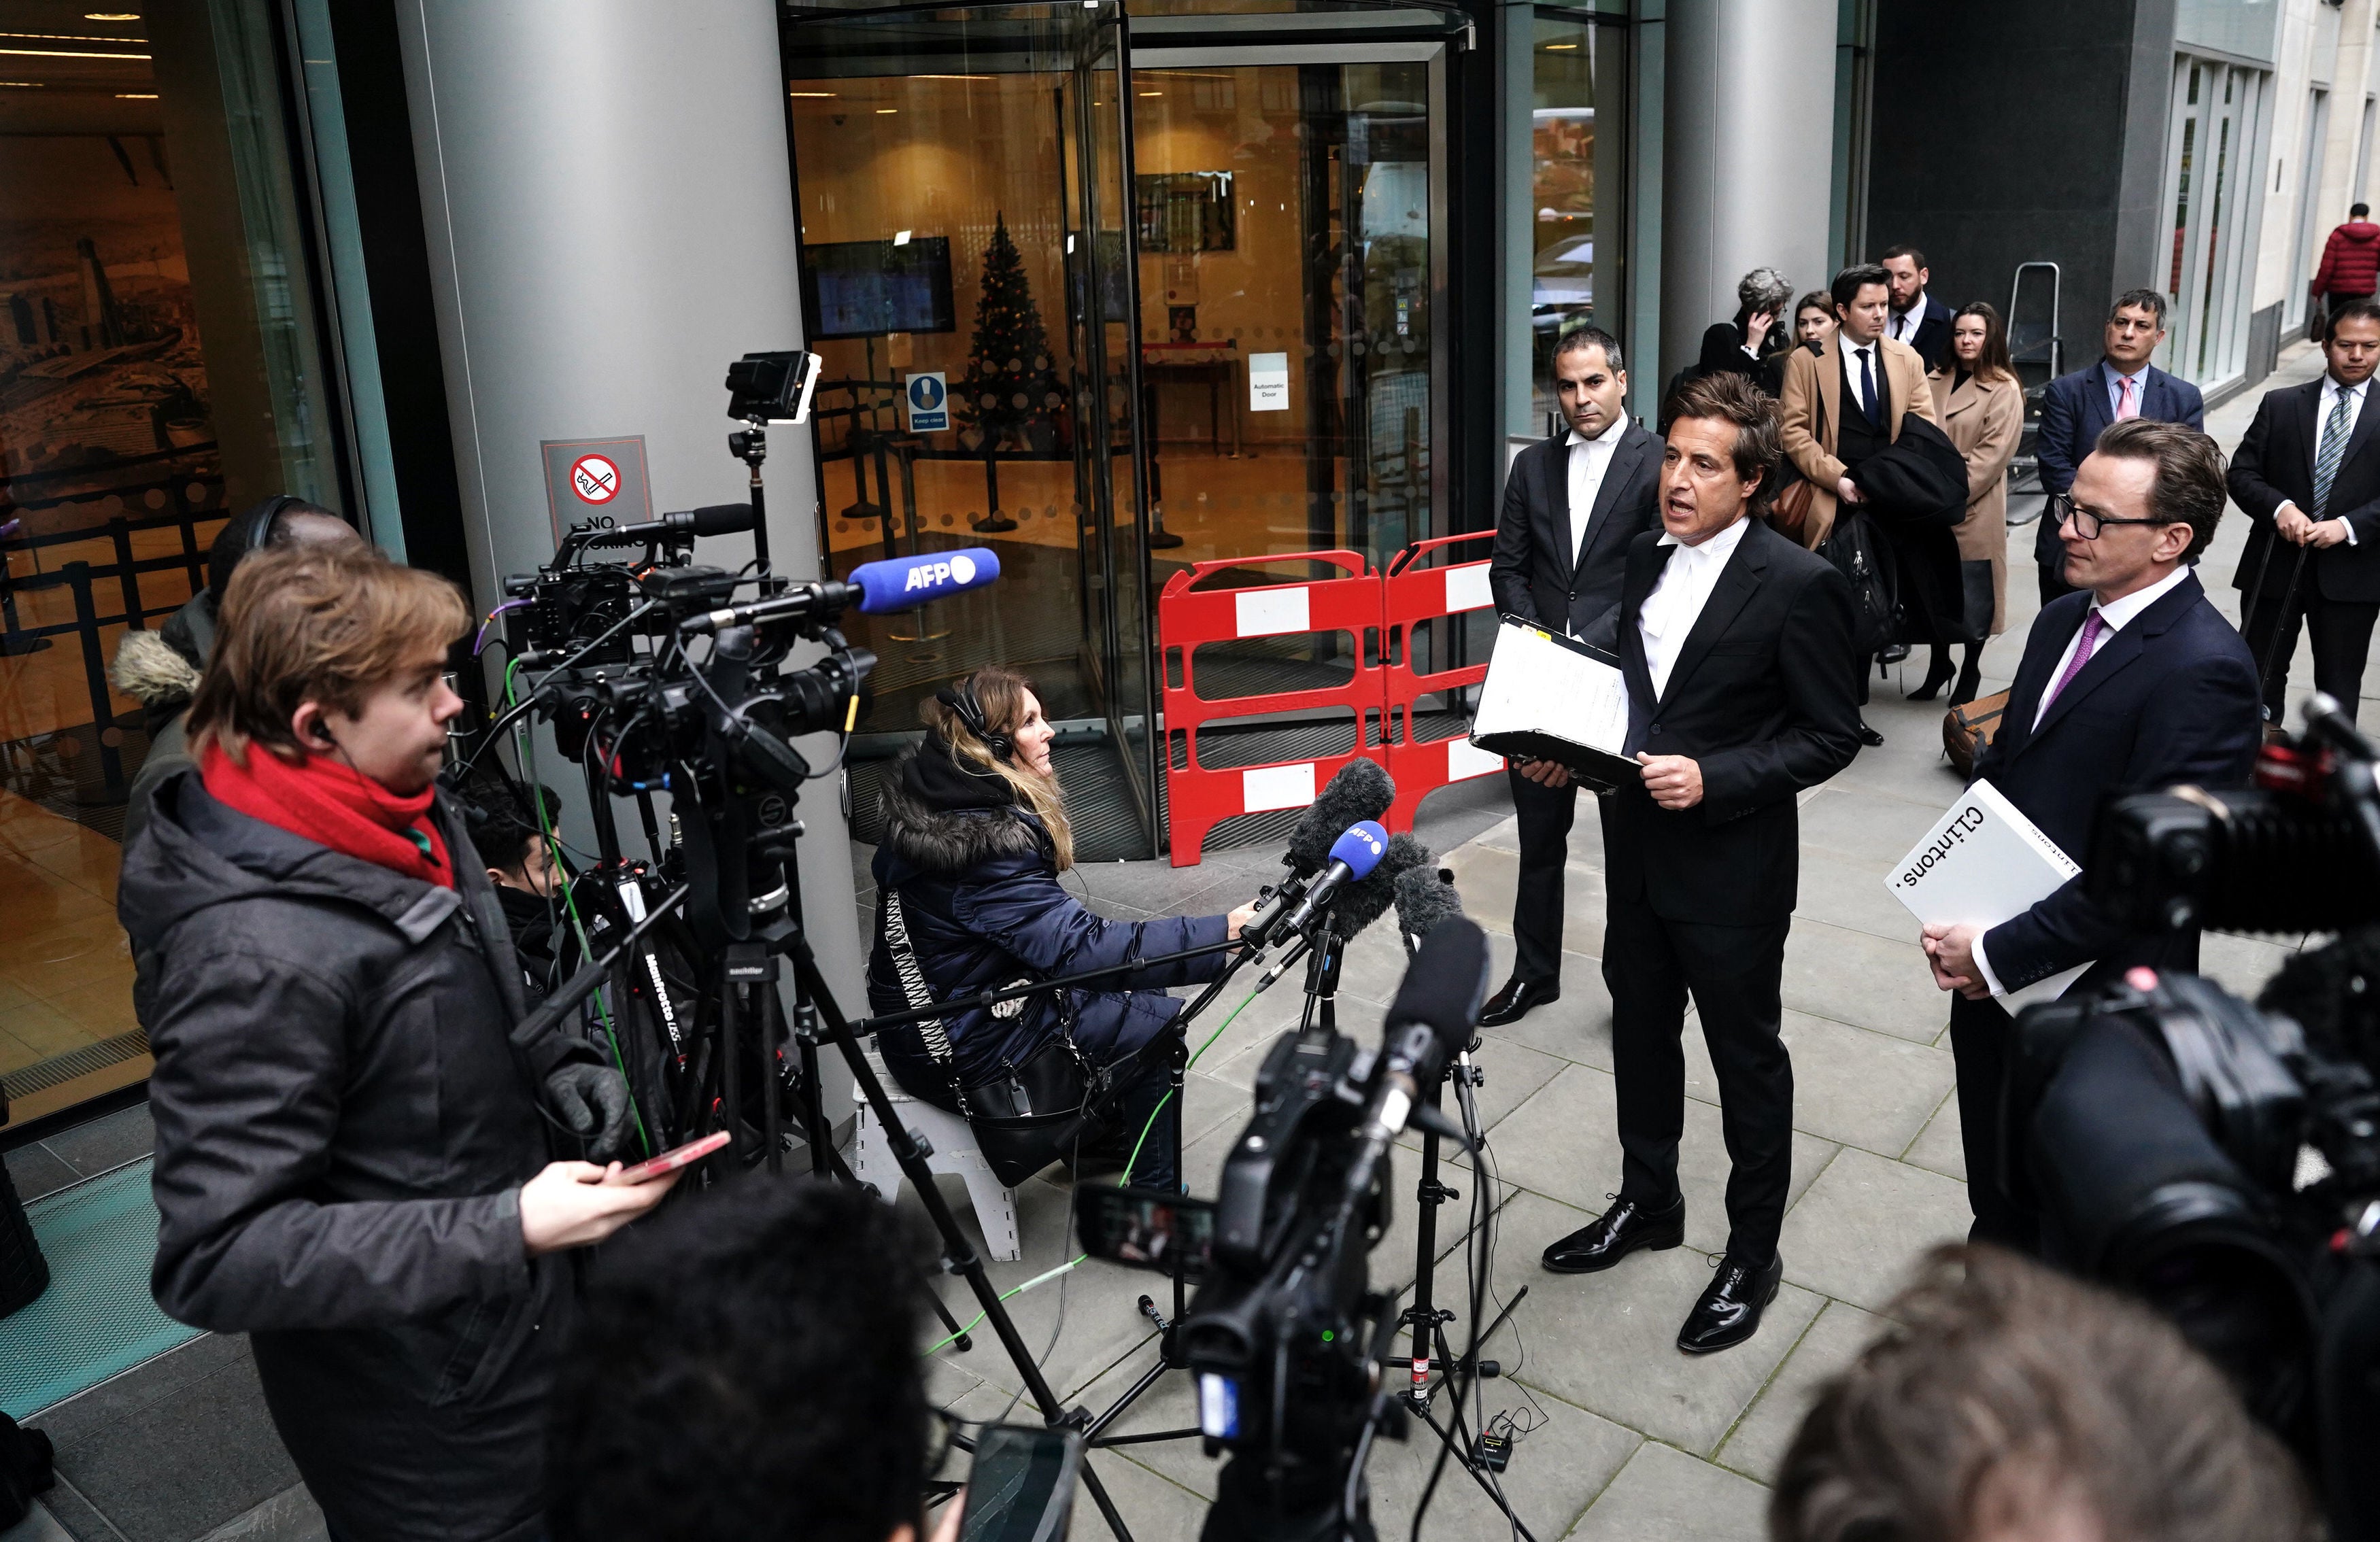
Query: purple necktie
[2092, 628]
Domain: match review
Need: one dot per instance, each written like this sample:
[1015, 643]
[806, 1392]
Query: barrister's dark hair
[1858, 277]
[2188, 488]
[1578, 339]
[1759, 436]
[746, 1367]
[2150, 300]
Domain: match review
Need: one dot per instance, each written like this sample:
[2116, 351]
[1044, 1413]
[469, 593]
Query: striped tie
[2333, 449]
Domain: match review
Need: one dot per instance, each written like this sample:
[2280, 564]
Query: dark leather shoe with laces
[1730, 1311]
[1511, 1003]
[1625, 1228]
[1869, 736]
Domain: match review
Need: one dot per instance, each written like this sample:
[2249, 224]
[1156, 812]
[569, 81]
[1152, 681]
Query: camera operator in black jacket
[356, 1145]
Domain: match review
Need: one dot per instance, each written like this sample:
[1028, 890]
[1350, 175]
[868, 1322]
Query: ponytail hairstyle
[986, 746]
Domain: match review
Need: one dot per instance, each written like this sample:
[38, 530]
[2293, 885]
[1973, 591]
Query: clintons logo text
[959, 569]
[1969, 820]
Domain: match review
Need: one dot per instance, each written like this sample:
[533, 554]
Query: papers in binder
[1554, 697]
[1982, 864]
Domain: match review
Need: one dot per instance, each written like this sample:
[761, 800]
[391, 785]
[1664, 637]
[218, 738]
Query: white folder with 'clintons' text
[1982, 864]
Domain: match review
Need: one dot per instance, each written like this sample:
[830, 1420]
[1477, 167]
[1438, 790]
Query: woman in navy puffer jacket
[975, 837]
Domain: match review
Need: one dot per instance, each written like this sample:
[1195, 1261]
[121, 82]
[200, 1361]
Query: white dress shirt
[2113, 619]
[1589, 459]
[1906, 322]
[1851, 352]
[1677, 598]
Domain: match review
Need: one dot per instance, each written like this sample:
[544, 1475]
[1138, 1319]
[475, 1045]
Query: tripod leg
[1463, 1455]
[772, 1082]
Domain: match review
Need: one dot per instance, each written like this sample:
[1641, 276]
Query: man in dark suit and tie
[2134, 684]
[1917, 319]
[2307, 473]
[1736, 647]
[2075, 408]
[1571, 504]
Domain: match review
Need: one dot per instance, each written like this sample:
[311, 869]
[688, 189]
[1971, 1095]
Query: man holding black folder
[2133, 683]
[1736, 647]
[1571, 505]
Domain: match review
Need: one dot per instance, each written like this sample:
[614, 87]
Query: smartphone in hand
[1021, 1487]
[672, 1159]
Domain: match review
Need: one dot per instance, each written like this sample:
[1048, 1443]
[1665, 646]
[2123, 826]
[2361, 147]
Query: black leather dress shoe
[1730, 1311]
[1625, 1228]
[1511, 1003]
[1869, 736]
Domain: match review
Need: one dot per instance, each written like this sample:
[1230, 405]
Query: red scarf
[333, 806]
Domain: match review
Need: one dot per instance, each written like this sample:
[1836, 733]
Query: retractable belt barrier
[1411, 594]
[1199, 797]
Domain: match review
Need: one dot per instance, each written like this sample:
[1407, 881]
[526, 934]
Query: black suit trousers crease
[1544, 815]
[1734, 975]
[2343, 641]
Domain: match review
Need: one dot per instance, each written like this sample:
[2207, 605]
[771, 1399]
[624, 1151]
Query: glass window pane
[1562, 193]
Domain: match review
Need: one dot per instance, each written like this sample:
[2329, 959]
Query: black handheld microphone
[711, 519]
[1431, 1018]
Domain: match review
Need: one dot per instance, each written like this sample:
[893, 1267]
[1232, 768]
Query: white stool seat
[954, 1150]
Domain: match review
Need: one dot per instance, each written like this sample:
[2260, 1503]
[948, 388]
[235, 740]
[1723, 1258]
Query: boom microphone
[1425, 896]
[711, 519]
[1431, 1018]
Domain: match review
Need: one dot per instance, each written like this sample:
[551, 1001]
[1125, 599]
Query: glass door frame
[2206, 338]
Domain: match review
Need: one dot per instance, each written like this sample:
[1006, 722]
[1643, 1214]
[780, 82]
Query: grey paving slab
[38, 1525]
[180, 1464]
[1557, 1470]
[1575, 1027]
[1512, 1074]
[1872, 827]
[1850, 893]
[1563, 1144]
[1608, 1342]
[35, 1170]
[1757, 1443]
[289, 1516]
[1663, 1495]
[1855, 1231]
[1859, 1087]
[1155, 1508]
[1938, 1147]
[1854, 977]
[1488, 878]
[107, 1142]
[2242, 964]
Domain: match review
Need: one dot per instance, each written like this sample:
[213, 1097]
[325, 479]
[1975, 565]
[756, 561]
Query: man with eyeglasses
[2135, 682]
[2305, 478]
[2076, 408]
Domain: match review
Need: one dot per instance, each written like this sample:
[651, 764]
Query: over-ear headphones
[960, 699]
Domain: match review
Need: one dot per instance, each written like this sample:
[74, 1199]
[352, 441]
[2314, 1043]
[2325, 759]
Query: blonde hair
[1001, 693]
[327, 624]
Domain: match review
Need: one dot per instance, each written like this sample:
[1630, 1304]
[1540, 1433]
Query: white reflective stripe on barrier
[1264, 612]
[1465, 759]
[1467, 588]
[1276, 787]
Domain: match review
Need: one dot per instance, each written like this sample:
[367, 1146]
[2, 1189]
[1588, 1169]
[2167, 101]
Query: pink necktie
[2092, 628]
[2126, 406]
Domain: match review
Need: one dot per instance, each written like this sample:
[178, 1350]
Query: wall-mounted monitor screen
[867, 289]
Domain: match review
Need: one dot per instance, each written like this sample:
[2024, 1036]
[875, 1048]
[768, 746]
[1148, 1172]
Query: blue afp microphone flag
[903, 583]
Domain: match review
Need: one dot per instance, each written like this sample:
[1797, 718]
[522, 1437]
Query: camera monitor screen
[1146, 1228]
[867, 289]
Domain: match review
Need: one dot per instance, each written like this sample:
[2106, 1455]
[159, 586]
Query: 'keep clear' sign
[1268, 382]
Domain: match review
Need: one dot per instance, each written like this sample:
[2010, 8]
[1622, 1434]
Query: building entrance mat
[97, 1319]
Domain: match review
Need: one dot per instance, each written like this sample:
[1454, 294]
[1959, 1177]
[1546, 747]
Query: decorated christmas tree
[1011, 397]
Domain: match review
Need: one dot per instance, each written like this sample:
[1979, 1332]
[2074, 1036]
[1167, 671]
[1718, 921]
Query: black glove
[592, 1103]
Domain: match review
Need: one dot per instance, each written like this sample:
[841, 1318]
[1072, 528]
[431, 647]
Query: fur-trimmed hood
[152, 671]
[947, 841]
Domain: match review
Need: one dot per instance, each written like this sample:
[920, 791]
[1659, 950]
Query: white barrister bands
[1553, 697]
[1982, 863]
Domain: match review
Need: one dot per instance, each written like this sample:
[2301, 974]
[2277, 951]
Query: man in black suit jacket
[2307, 474]
[1917, 318]
[1736, 646]
[2134, 684]
[1571, 505]
[2075, 408]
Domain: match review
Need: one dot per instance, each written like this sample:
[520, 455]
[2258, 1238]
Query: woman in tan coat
[1981, 409]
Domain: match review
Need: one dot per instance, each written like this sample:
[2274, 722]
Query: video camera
[2218, 1158]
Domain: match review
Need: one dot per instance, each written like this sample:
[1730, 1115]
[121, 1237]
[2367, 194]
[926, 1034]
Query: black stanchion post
[94, 671]
[128, 574]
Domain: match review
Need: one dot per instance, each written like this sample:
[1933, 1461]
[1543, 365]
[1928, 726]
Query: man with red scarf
[355, 1159]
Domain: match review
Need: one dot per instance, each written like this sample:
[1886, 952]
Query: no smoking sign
[586, 479]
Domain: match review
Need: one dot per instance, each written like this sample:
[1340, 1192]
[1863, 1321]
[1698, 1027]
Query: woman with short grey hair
[1751, 344]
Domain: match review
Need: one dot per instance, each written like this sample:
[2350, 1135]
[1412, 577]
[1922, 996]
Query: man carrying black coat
[1736, 646]
[1571, 505]
[354, 1160]
[2305, 473]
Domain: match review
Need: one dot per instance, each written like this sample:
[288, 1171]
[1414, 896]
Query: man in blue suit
[2077, 407]
[2134, 684]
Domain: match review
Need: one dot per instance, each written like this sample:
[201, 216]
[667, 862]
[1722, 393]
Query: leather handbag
[1967, 729]
[1789, 514]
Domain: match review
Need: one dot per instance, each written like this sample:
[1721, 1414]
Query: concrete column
[1748, 136]
[610, 220]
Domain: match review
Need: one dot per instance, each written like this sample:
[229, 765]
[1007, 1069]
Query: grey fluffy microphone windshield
[1361, 791]
[1361, 903]
[1424, 896]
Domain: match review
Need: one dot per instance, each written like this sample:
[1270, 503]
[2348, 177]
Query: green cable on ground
[1169, 1091]
[527, 748]
[1042, 1279]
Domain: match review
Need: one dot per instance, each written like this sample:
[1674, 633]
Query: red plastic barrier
[1412, 593]
[1198, 798]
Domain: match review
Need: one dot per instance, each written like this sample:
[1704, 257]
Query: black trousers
[1735, 975]
[1980, 1034]
[2342, 640]
[1544, 815]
